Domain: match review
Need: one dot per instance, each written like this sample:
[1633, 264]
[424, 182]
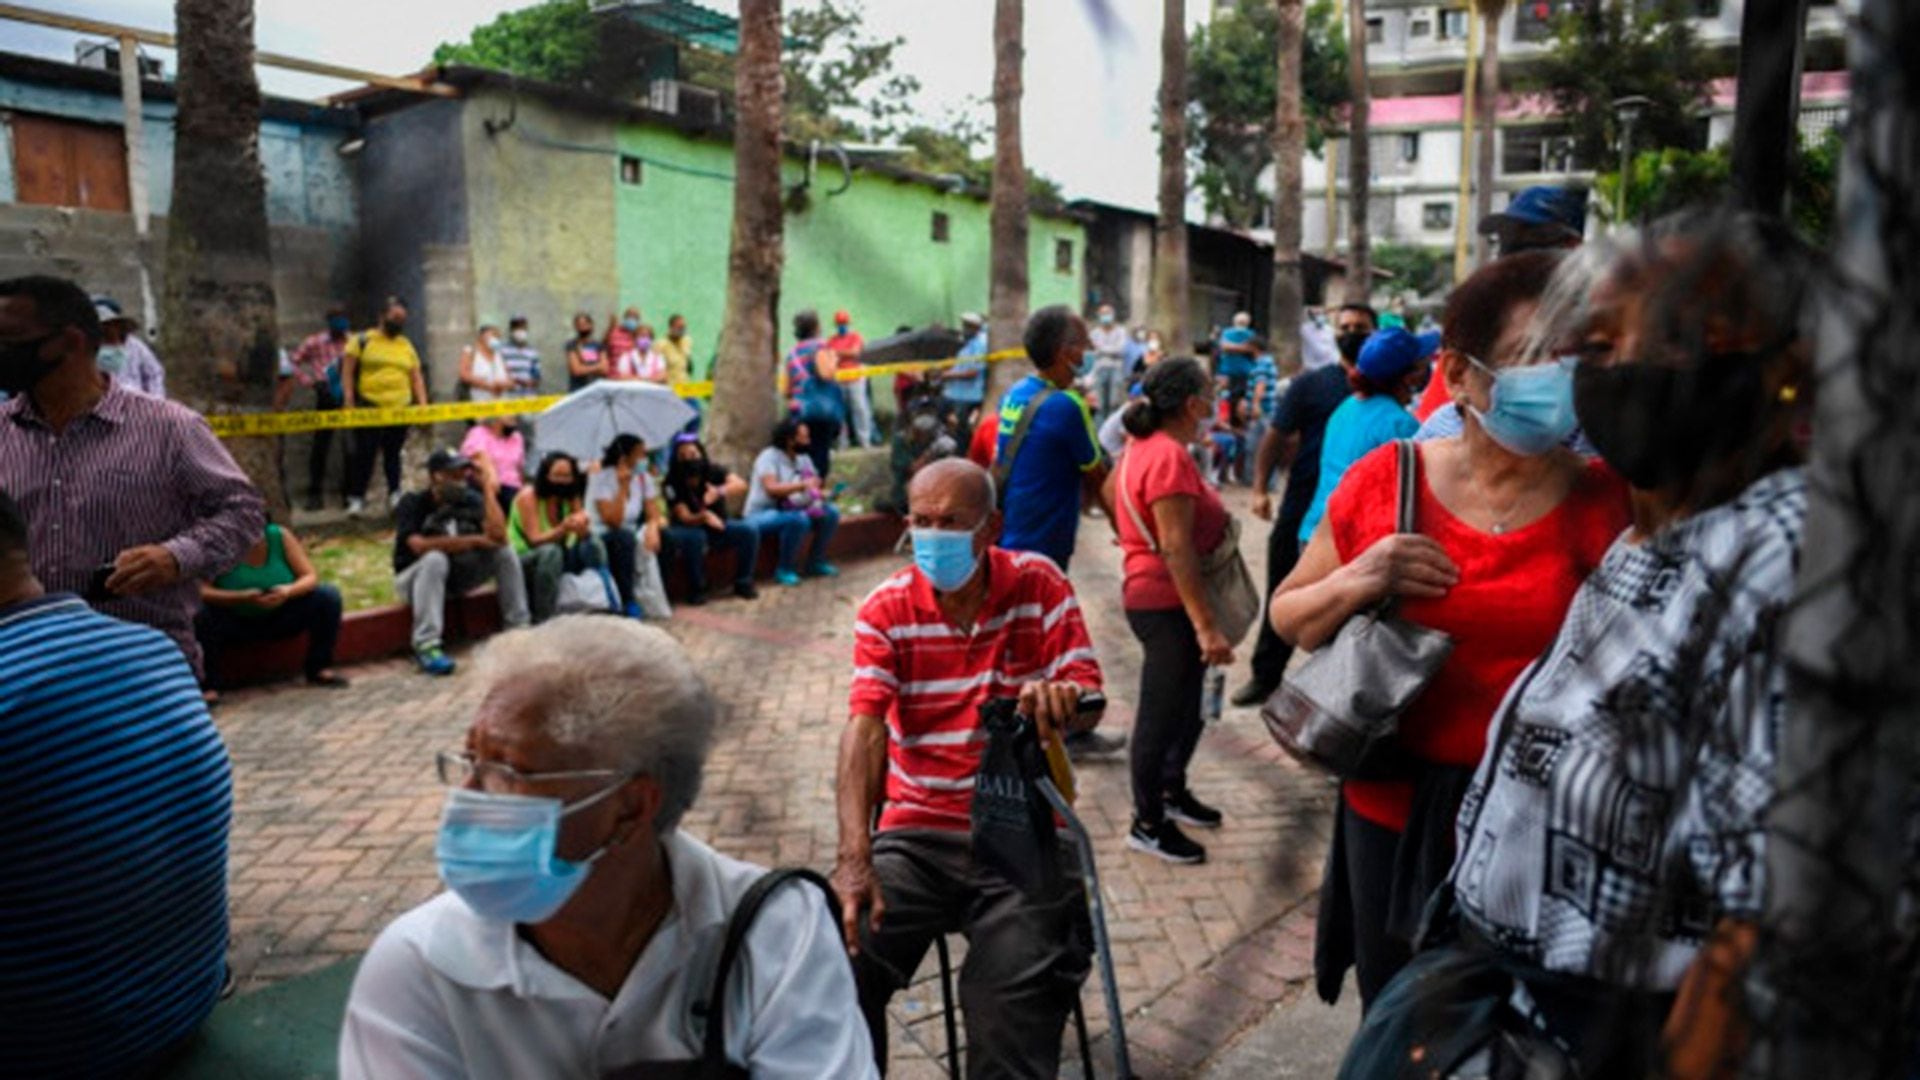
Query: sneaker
[1186, 809]
[823, 569]
[1250, 695]
[1166, 841]
[696, 598]
[433, 661]
[356, 507]
[786, 577]
[393, 501]
[634, 612]
[1086, 744]
[745, 591]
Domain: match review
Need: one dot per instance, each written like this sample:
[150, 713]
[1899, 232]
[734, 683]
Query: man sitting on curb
[453, 536]
[967, 622]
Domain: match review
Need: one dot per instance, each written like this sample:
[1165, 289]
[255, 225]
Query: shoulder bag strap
[1003, 468]
[1409, 486]
[713, 1057]
[1126, 502]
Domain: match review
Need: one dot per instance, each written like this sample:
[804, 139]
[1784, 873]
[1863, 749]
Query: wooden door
[58, 162]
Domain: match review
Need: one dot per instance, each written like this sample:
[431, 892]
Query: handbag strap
[1139, 524]
[1003, 464]
[1409, 486]
[714, 1052]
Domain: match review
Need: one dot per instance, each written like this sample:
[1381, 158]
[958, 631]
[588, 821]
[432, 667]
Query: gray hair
[623, 693]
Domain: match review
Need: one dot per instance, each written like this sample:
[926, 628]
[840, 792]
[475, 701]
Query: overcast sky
[1089, 95]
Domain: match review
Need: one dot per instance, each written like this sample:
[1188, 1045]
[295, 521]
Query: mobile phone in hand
[97, 584]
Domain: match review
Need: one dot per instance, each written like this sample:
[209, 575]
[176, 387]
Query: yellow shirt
[679, 356]
[386, 371]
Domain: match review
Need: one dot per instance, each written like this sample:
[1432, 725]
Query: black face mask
[1351, 342]
[549, 489]
[1658, 426]
[393, 327]
[21, 365]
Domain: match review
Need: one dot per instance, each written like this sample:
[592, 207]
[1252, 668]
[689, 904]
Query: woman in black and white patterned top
[1613, 835]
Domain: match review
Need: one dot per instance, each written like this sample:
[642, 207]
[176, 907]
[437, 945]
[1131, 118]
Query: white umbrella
[585, 421]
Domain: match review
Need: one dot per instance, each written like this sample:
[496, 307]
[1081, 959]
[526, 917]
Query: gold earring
[1789, 394]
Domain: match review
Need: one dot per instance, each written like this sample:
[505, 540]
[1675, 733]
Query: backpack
[1003, 463]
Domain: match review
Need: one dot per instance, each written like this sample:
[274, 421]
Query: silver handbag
[1231, 594]
[1340, 710]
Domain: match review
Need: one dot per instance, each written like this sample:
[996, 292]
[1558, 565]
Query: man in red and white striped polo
[966, 623]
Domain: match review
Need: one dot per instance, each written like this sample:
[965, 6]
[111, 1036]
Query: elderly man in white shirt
[582, 930]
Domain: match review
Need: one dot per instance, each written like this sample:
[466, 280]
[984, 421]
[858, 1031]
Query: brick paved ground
[335, 809]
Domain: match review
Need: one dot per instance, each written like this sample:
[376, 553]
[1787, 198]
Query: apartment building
[1417, 64]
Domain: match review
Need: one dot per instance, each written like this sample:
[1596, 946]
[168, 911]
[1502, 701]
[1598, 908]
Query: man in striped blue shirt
[115, 801]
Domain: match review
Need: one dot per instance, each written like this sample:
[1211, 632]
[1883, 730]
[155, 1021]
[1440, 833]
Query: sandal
[330, 679]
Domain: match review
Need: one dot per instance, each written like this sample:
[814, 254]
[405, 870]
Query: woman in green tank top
[271, 594]
[550, 530]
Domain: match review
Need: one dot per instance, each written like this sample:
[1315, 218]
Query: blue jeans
[792, 526]
[690, 542]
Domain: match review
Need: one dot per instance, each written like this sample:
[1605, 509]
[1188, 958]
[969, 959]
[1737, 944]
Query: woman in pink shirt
[1169, 518]
[498, 440]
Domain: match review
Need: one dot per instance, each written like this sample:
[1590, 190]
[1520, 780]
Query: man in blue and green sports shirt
[1061, 456]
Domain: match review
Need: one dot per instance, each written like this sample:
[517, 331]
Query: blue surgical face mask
[946, 556]
[497, 852]
[338, 324]
[112, 359]
[1531, 408]
[629, 325]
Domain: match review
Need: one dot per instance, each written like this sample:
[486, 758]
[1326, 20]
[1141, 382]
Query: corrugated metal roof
[681, 20]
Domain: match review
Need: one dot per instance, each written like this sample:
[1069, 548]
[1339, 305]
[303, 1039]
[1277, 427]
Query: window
[58, 162]
[1534, 20]
[1376, 30]
[1453, 25]
[629, 169]
[1705, 9]
[1063, 256]
[1410, 146]
[1420, 28]
[1539, 148]
[942, 227]
[1436, 215]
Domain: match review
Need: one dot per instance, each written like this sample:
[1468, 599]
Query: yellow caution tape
[243, 425]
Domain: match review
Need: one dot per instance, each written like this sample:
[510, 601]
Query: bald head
[952, 493]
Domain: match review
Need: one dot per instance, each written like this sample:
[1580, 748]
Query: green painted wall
[869, 250]
[541, 242]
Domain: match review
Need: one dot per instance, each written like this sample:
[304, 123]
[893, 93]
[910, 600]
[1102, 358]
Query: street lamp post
[1628, 109]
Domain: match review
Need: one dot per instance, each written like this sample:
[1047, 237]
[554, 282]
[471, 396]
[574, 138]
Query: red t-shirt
[1513, 594]
[927, 678]
[986, 439]
[1152, 469]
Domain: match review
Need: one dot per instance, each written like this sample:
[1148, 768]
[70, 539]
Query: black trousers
[322, 454]
[368, 442]
[1356, 908]
[316, 615]
[1166, 728]
[821, 436]
[1270, 653]
[623, 553]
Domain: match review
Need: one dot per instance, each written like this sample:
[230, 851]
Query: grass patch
[360, 566]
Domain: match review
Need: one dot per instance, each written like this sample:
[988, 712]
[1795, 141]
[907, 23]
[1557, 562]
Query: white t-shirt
[444, 993]
[602, 485]
[773, 464]
[490, 366]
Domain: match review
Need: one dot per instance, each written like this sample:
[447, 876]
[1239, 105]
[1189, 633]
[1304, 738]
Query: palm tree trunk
[1359, 158]
[1007, 297]
[217, 313]
[1488, 107]
[745, 403]
[1170, 298]
[1289, 151]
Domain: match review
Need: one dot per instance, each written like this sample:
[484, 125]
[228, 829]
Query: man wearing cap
[964, 385]
[1539, 217]
[847, 344]
[123, 355]
[453, 537]
[1392, 365]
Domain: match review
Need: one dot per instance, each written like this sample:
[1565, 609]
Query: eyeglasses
[457, 769]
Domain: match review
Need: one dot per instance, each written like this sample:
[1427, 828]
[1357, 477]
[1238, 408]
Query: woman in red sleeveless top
[1509, 522]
